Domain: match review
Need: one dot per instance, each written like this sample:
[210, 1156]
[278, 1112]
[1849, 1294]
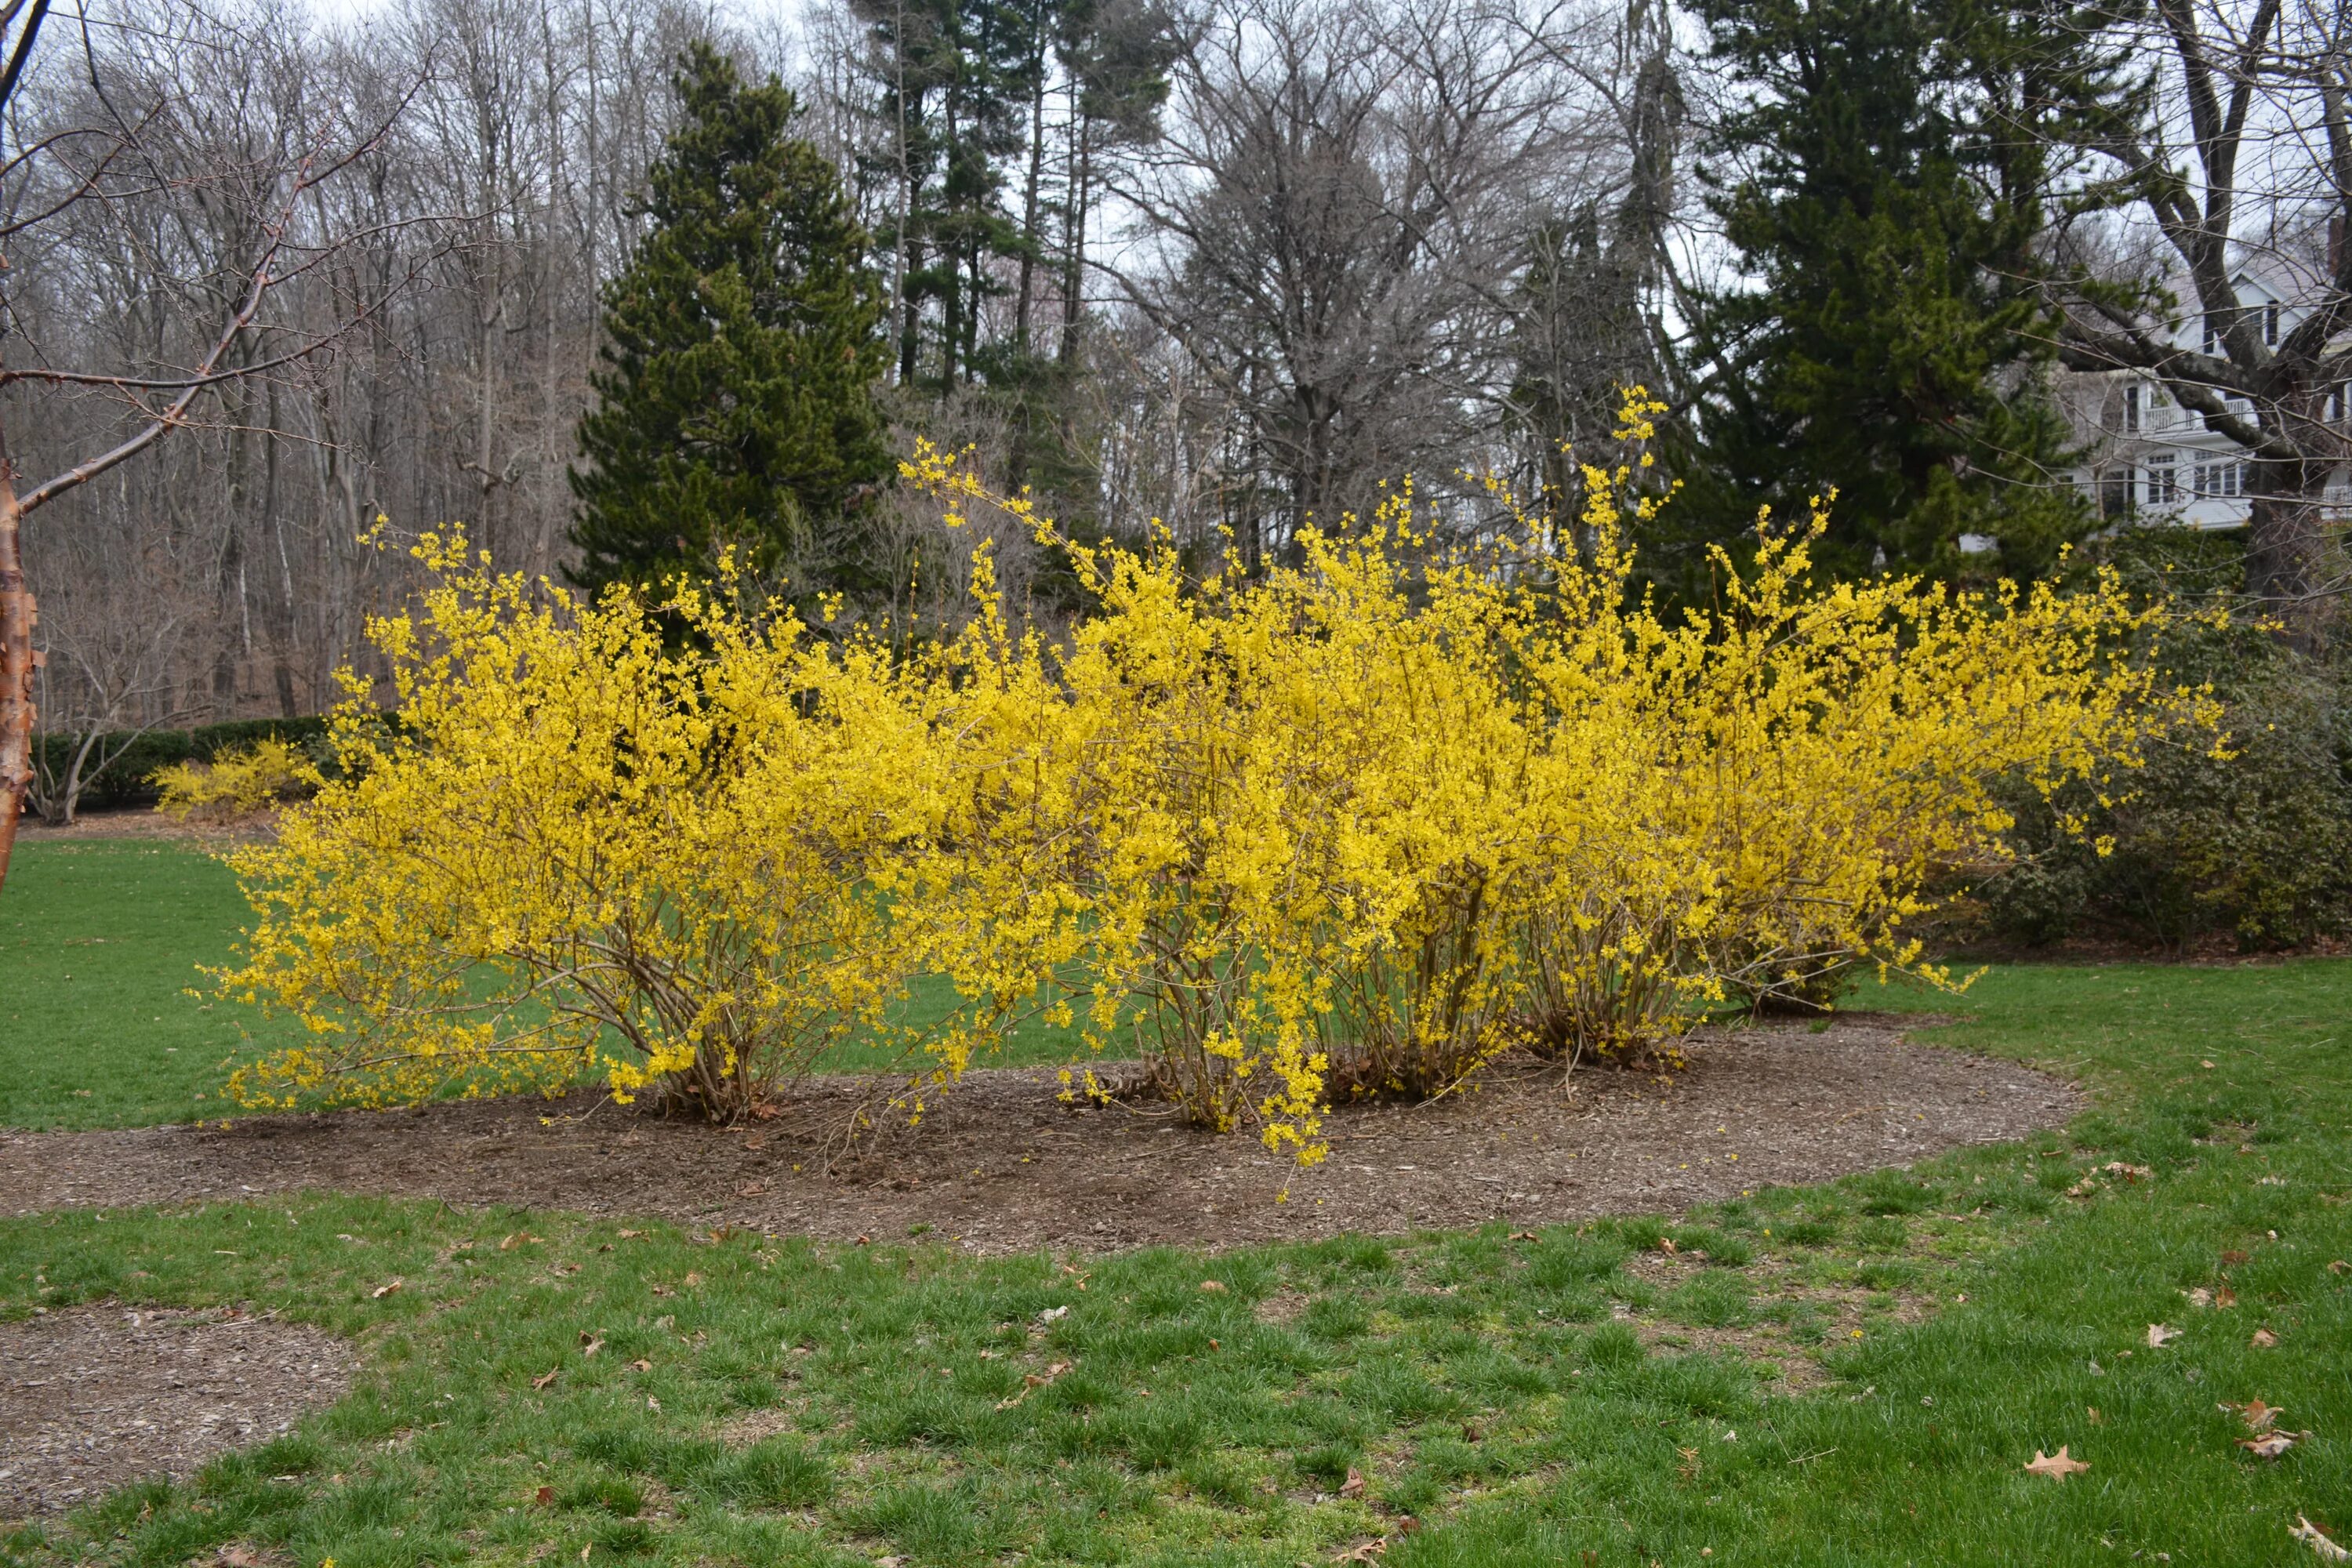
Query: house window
[2163, 490]
[2212, 336]
[2114, 493]
[2131, 410]
[2270, 323]
[2220, 480]
[2336, 404]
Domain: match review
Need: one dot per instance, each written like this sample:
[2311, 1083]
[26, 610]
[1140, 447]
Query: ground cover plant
[1856, 1373]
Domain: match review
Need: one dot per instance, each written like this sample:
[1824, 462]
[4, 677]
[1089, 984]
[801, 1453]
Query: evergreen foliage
[735, 402]
[1888, 208]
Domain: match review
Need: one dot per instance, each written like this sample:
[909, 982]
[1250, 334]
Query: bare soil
[92, 1398]
[999, 1165]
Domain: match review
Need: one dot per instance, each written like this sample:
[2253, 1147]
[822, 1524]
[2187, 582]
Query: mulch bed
[1000, 1165]
[92, 1398]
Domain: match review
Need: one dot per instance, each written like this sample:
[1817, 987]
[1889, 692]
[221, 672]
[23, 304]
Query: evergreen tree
[1890, 346]
[735, 403]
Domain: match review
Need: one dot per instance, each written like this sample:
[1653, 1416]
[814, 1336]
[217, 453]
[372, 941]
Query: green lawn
[100, 941]
[1526, 1400]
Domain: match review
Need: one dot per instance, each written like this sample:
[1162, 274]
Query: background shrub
[2255, 845]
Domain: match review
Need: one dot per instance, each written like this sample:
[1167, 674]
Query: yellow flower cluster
[1357, 825]
[240, 780]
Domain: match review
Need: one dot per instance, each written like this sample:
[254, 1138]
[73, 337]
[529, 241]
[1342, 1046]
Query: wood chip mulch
[92, 1398]
[1000, 1165]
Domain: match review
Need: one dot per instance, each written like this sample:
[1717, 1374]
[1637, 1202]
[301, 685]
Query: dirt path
[1000, 1166]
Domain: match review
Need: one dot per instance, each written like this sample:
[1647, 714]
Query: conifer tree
[1887, 341]
[735, 403]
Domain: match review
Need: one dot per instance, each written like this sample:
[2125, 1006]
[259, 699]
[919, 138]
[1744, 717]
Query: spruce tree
[1886, 341]
[735, 403]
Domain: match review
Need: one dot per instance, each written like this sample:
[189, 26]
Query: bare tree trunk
[17, 664]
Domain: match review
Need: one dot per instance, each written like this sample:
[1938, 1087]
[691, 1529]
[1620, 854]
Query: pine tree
[735, 403]
[1890, 346]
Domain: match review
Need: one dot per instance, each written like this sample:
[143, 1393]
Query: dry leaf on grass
[2258, 1416]
[2339, 1266]
[641, 1364]
[589, 1343]
[523, 1239]
[381, 1291]
[1354, 1484]
[1034, 1380]
[1369, 1552]
[236, 1554]
[2271, 1445]
[545, 1497]
[2311, 1535]
[2263, 1340]
[2057, 1466]
[1213, 1286]
[545, 1378]
[2158, 1334]
[2129, 1172]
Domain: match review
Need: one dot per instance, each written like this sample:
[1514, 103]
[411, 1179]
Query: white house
[2150, 460]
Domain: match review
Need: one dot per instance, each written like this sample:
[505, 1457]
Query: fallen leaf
[1666, 1244]
[653, 1405]
[523, 1239]
[2257, 1415]
[2057, 1466]
[630, 1235]
[663, 1291]
[1053, 1314]
[2225, 1297]
[2129, 1172]
[1354, 1484]
[546, 1496]
[2091, 1411]
[589, 1343]
[1369, 1552]
[2271, 1445]
[546, 1378]
[1036, 1380]
[381, 1291]
[1214, 1288]
[2339, 1266]
[2311, 1535]
[641, 1364]
[2083, 1189]
[239, 1555]
[863, 1241]
[2158, 1334]
[2231, 1258]
[2207, 1066]
[2263, 1340]
[1524, 1235]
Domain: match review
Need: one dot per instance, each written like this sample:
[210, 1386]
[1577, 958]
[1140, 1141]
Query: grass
[101, 943]
[1564, 1398]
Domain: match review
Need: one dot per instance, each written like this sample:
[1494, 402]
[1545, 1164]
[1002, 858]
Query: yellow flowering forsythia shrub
[239, 781]
[1354, 826]
[585, 849]
[1365, 821]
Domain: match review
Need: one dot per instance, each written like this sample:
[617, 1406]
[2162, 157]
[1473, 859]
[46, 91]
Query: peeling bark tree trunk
[16, 665]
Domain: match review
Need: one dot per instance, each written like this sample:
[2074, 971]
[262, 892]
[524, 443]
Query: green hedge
[124, 780]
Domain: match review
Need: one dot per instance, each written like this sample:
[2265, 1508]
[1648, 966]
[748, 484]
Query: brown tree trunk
[16, 665]
[2287, 542]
